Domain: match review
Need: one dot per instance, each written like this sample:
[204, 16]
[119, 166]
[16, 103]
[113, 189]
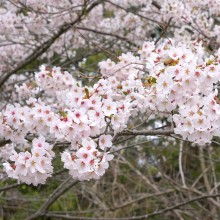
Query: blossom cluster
[180, 82]
[88, 162]
[176, 80]
[31, 167]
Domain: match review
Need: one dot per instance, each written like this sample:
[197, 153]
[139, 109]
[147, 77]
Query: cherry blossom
[31, 167]
[173, 81]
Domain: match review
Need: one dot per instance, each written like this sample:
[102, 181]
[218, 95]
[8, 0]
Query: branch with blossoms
[178, 84]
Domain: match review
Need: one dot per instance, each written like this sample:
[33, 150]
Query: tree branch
[63, 188]
[171, 208]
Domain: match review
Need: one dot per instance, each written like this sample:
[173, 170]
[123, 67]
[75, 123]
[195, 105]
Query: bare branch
[63, 188]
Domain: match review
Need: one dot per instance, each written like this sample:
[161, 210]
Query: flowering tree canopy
[157, 74]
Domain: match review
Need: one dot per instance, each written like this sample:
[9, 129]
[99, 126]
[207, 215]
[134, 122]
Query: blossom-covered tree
[157, 74]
